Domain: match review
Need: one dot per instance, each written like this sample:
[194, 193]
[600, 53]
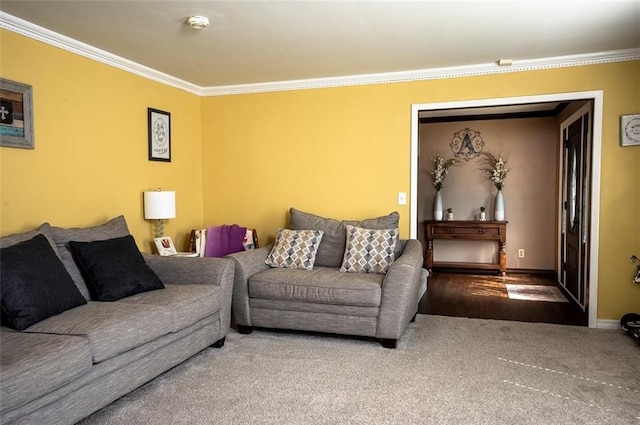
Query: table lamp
[159, 205]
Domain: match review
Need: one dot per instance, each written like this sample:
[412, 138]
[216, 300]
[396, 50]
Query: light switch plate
[402, 198]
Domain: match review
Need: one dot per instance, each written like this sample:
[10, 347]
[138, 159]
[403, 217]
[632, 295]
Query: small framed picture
[165, 246]
[159, 123]
[16, 115]
[630, 130]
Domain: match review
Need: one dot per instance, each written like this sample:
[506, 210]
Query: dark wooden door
[576, 200]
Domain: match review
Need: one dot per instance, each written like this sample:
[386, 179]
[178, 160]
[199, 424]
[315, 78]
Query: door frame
[597, 97]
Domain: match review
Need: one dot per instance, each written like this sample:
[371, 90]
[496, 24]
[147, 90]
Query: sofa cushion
[34, 284]
[295, 249]
[320, 285]
[114, 268]
[112, 328]
[369, 251]
[331, 249]
[186, 303]
[32, 365]
[114, 228]
[44, 229]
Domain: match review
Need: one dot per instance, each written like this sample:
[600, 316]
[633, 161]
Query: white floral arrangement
[440, 169]
[495, 168]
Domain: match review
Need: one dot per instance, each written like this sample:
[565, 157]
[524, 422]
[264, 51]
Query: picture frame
[159, 127]
[165, 246]
[630, 130]
[16, 114]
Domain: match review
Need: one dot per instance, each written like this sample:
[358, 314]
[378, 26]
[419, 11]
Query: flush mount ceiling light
[198, 22]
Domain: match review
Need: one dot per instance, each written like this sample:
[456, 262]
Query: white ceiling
[270, 41]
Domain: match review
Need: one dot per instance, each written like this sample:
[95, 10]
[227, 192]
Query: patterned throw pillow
[295, 249]
[368, 250]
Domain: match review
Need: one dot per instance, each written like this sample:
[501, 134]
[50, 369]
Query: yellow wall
[345, 153]
[341, 152]
[91, 161]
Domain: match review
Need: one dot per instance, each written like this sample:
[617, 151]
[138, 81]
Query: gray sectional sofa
[62, 368]
[330, 295]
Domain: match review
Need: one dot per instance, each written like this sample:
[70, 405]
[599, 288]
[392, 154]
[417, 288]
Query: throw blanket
[223, 240]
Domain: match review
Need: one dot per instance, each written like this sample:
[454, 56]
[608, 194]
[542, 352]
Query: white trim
[46, 36]
[597, 97]
[608, 324]
[429, 74]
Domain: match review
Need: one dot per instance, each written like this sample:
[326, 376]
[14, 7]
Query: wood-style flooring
[485, 297]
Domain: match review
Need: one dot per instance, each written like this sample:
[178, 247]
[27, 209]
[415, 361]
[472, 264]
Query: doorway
[590, 265]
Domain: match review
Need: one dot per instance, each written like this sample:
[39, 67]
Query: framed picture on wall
[630, 130]
[16, 115]
[159, 123]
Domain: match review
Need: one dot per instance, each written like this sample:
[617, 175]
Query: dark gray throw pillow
[34, 284]
[114, 268]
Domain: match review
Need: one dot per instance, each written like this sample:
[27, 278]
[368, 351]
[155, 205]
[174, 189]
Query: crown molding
[46, 36]
[27, 29]
[430, 74]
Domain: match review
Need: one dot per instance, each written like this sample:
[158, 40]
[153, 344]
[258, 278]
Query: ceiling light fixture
[198, 22]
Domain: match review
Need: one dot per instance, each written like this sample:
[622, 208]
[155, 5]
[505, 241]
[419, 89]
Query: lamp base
[159, 228]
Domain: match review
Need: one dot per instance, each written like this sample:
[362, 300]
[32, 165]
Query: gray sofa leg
[244, 329]
[219, 343]
[389, 343]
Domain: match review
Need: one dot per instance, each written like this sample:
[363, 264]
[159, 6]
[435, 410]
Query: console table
[468, 230]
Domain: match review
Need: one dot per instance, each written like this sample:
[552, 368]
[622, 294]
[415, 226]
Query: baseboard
[608, 324]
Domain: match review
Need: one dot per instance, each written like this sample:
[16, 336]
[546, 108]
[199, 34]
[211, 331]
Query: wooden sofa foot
[219, 343]
[244, 329]
[389, 343]
[413, 319]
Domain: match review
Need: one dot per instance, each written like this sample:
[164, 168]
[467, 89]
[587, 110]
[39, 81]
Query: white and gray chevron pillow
[295, 249]
[368, 250]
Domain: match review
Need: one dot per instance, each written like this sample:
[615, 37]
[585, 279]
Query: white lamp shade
[159, 204]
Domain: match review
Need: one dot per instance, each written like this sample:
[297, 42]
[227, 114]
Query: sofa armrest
[247, 263]
[199, 271]
[400, 292]
[187, 270]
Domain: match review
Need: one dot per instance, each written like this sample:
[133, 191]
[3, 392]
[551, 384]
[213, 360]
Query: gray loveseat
[325, 299]
[67, 366]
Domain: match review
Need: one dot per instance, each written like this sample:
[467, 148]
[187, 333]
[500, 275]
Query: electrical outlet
[402, 198]
[521, 253]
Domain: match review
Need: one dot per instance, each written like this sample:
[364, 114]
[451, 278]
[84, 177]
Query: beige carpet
[535, 293]
[446, 370]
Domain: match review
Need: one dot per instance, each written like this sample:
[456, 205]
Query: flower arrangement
[440, 169]
[495, 168]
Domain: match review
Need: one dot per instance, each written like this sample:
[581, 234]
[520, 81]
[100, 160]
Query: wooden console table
[468, 230]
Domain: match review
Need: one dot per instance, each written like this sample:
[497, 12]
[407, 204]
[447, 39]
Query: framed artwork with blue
[16, 114]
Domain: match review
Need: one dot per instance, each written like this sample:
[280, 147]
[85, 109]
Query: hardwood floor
[485, 297]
